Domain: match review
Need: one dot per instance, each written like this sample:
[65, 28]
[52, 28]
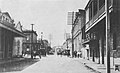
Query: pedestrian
[75, 52]
[79, 54]
[39, 54]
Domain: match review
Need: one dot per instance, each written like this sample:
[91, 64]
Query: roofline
[7, 13]
[30, 31]
[87, 4]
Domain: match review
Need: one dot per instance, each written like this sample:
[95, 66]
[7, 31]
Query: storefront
[6, 41]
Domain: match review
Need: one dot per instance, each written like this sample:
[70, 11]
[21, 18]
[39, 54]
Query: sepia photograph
[59, 36]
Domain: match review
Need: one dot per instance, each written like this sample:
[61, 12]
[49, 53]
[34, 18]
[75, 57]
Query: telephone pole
[32, 42]
[107, 36]
[72, 34]
[41, 39]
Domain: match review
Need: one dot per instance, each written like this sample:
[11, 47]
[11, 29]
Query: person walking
[75, 52]
[79, 54]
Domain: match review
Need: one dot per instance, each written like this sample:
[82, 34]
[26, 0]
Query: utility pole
[32, 42]
[67, 37]
[41, 39]
[67, 43]
[107, 36]
[41, 35]
[72, 34]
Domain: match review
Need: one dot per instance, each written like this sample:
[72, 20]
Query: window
[87, 15]
[95, 7]
[101, 3]
[90, 11]
[110, 3]
[7, 20]
[28, 38]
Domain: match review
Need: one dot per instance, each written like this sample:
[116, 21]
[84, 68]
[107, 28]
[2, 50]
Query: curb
[91, 68]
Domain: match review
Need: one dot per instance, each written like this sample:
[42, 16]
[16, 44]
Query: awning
[12, 29]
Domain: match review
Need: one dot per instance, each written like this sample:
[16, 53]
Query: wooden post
[32, 43]
[107, 36]
[72, 34]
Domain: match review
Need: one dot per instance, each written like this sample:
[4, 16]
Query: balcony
[98, 16]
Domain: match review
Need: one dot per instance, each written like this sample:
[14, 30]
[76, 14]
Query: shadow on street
[18, 65]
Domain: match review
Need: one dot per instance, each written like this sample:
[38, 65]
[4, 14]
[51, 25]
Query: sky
[49, 16]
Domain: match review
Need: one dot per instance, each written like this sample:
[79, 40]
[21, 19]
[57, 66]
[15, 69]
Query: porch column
[102, 45]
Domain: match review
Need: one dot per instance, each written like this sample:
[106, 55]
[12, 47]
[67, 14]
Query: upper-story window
[7, 19]
[87, 15]
[95, 6]
[90, 11]
[28, 38]
[101, 3]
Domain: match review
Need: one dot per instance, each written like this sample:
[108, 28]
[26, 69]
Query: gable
[19, 27]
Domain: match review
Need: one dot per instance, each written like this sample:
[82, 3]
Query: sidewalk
[10, 60]
[14, 60]
[100, 68]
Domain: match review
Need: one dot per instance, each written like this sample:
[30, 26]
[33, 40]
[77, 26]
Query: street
[57, 64]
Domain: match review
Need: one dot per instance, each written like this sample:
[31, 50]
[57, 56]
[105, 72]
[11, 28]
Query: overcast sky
[49, 16]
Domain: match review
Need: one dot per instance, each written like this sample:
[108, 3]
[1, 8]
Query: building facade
[30, 41]
[7, 34]
[18, 41]
[78, 29]
[96, 26]
[67, 45]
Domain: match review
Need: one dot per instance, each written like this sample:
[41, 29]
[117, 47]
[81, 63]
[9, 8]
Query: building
[67, 45]
[45, 46]
[78, 25]
[7, 34]
[30, 41]
[95, 29]
[18, 41]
